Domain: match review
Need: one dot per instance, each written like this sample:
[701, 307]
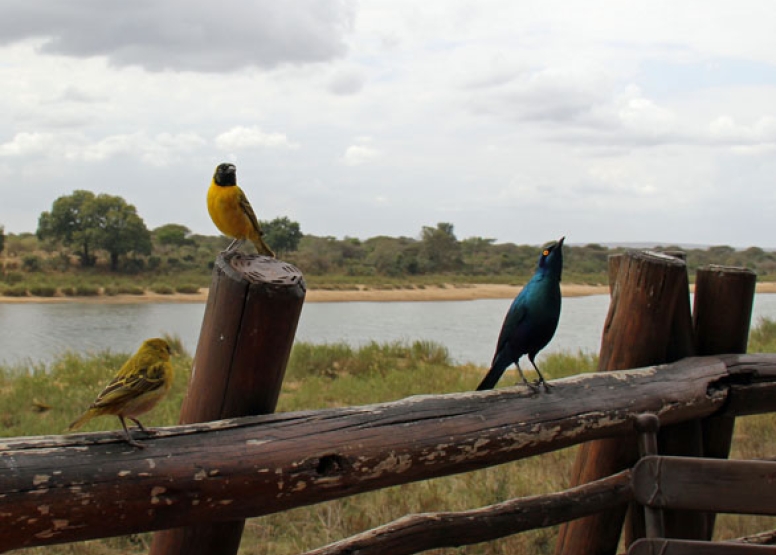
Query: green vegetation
[43, 400]
[88, 222]
[100, 241]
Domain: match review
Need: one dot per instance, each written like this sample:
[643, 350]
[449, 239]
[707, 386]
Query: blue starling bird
[531, 320]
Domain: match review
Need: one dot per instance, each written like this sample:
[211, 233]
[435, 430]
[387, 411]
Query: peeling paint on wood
[320, 455]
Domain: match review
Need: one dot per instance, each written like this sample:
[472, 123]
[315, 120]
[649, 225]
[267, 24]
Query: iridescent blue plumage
[531, 320]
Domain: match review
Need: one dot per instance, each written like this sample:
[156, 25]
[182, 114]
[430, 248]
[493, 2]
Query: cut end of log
[654, 256]
[258, 269]
[727, 270]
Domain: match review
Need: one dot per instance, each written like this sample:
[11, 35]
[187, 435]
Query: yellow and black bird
[139, 385]
[232, 213]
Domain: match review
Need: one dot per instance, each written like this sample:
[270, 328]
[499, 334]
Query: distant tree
[385, 255]
[441, 250]
[88, 222]
[2, 239]
[174, 235]
[71, 222]
[119, 228]
[282, 234]
[476, 245]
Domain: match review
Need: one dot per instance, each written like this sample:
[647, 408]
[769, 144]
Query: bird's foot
[529, 385]
[139, 426]
[228, 255]
[547, 387]
[134, 443]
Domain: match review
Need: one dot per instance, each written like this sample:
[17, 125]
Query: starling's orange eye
[546, 252]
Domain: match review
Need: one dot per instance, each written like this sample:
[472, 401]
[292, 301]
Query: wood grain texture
[722, 314]
[697, 484]
[421, 532]
[247, 333]
[56, 489]
[646, 291]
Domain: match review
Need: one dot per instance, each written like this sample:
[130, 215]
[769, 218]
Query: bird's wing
[516, 313]
[130, 385]
[248, 209]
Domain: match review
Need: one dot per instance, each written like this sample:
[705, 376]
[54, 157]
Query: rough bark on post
[686, 438]
[722, 315]
[637, 332]
[248, 329]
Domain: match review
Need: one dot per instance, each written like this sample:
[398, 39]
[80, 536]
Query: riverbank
[360, 293]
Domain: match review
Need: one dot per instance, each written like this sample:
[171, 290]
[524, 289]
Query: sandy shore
[446, 293]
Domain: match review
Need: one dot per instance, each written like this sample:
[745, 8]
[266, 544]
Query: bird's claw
[547, 387]
[228, 255]
[133, 442]
[532, 387]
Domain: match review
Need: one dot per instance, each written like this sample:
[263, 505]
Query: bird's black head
[551, 259]
[226, 175]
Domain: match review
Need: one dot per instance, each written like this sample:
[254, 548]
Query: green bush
[162, 289]
[31, 263]
[43, 291]
[130, 290]
[12, 278]
[87, 290]
[187, 288]
[15, 291]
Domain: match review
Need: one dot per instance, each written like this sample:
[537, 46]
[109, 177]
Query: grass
[321, 376]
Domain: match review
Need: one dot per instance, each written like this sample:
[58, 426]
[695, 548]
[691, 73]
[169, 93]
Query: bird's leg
[130, 440]
[528, 384]
[145, 430]
[541, 380]
[233, 249]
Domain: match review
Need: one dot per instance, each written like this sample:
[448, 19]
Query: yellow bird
[232, 213]
[139, 385]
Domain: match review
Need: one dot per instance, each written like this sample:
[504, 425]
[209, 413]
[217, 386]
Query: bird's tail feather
[263, 248]
[494, 374]
[81, 420]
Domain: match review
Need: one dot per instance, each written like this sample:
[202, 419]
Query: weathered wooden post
[247, 332]
[683, 439]
[637, 332]
[722, 315]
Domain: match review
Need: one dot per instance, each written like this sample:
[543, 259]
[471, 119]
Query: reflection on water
[469, 329]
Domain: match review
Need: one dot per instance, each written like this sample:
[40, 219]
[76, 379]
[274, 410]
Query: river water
[39, 332]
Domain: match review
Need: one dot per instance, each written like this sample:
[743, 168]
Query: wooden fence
[198, 481]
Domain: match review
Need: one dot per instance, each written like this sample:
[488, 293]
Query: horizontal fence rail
[56, 489]
[421, 532]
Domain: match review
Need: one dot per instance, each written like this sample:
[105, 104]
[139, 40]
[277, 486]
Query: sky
[604, 121]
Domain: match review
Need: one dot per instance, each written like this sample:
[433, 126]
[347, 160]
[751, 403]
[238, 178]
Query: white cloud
[606, 119]
[346, 82]
[240, 137]
[356, 155]
[761, 133]
[159, 150]
[184, 36]
[26, 143]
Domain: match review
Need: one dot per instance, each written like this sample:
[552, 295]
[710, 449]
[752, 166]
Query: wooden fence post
[683, 439]
[248, 330]
[722, 315]
[637, 332]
